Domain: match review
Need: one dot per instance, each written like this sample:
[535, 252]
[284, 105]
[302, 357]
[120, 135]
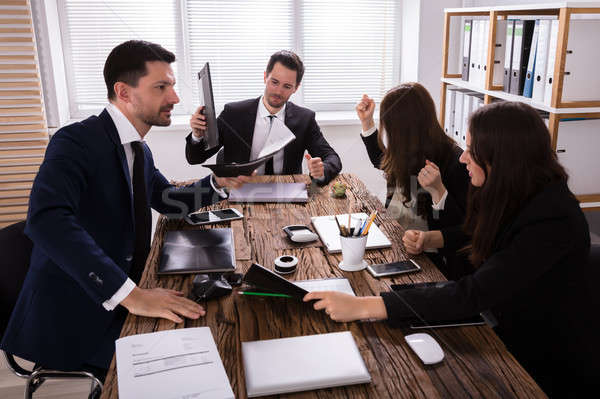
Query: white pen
[359, 223]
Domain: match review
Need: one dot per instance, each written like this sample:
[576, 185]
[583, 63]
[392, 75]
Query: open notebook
[329, 233]
[302, 363]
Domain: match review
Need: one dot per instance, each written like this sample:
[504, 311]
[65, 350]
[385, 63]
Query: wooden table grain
[476, 364]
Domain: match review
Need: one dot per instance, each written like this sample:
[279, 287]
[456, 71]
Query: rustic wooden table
[476, 364]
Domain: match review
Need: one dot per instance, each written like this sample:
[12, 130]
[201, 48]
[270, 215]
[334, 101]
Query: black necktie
[141, 214]
[269, 165]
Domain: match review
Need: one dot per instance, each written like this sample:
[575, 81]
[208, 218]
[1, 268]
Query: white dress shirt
[261, 133]
[128, 134]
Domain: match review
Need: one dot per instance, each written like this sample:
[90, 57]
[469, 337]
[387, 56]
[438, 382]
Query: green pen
[264, 294]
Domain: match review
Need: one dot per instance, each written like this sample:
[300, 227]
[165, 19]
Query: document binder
[510, 28]
[449, 113]
[485, 34]
[551, 61]
[474, 58]
[466, 49]
[529, 76]
[541, 60]
[521, 48]
[466, 112]
[581, 81]
[499, 52]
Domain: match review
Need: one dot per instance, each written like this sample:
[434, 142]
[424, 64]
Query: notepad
[329, 233]
[327, 284]
[284, 365]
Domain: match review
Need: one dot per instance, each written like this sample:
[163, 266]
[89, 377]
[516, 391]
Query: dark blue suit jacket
[81, 223]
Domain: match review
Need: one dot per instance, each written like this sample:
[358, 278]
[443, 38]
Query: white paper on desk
[279, 137]
[172, 364]
[327, 284]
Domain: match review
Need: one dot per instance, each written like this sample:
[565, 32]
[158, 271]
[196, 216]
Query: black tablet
[211, 134]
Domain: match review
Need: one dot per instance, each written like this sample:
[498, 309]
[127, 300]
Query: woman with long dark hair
[427, 185]
[529, 244]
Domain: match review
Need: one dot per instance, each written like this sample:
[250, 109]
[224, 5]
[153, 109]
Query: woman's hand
[430, 179]
[365, 109]
[343, 307]
[414, 241]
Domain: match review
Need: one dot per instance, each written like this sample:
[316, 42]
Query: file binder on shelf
[541, 60]
[499, 52]
[466, 49]
[485, 34]
[510, 28]
[521, 48]
[551, 60]
[581, 81]
[529, 76]
[466, 112]
[449, 113]
[475, 50]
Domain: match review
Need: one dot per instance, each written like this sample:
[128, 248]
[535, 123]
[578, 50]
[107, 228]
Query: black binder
[521, 49]
[197, 251]
[268, 281]
[467, 49]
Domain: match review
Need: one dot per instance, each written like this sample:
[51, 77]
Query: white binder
[475, 44]
[551, 60]
[449, 111]
[541, 60]
[467, 49]
[458, 115]
[499, 52]
[485, 34]
[466, 112]
[577, 150]
[581, 80]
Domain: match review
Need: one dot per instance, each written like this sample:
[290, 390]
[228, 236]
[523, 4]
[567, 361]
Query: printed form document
[172, 364]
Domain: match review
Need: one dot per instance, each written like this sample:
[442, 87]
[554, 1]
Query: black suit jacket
[236, 130]
[454, 177]
[81, 223]
[534, 282]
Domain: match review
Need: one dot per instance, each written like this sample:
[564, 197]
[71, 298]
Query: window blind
[23, 130]
[236, 37]
[349, 49]
[92, 28]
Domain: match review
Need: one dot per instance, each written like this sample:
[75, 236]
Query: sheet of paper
[327, 284]
[279, 137]
[172, 364]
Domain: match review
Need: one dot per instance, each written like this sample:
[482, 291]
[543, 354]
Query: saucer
[353, 268]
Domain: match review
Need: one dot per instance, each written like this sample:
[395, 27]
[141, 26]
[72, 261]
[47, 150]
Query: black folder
[266, 280]
[237, 169]
[197, 251]
[521, 49]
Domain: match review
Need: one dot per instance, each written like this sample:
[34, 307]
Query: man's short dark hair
[290, 60]
[127, 63]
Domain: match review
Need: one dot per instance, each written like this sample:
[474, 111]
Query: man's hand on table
[161, 302]
[233, 182]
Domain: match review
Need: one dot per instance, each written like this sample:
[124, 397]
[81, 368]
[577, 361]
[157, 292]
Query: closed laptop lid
[270, 192]
[302, 363]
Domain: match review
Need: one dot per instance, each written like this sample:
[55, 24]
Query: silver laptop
[270, 192]
[283, 365]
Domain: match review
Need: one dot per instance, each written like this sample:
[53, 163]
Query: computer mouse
[205, 287]
[427, 348]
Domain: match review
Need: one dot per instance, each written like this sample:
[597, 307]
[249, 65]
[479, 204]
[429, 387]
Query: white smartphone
[390, 269]
[216, 216]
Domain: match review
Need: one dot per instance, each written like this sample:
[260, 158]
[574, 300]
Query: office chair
[16, 249]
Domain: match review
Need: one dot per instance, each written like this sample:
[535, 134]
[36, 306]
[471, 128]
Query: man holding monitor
[244, 127]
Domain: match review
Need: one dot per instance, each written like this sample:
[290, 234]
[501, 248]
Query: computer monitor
[211, 134]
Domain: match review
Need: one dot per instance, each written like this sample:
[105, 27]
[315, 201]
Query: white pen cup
[353, 252]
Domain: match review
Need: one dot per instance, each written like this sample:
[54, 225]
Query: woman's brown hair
[408, 118]
[511, 143]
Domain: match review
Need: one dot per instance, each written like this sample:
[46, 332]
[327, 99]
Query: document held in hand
[279, 137]
[181, 363]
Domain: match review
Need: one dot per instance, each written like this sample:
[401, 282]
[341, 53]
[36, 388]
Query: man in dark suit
[244, 127]
[89, 220]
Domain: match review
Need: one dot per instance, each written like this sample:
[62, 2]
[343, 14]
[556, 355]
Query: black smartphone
[216, 216]
[390, 269]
